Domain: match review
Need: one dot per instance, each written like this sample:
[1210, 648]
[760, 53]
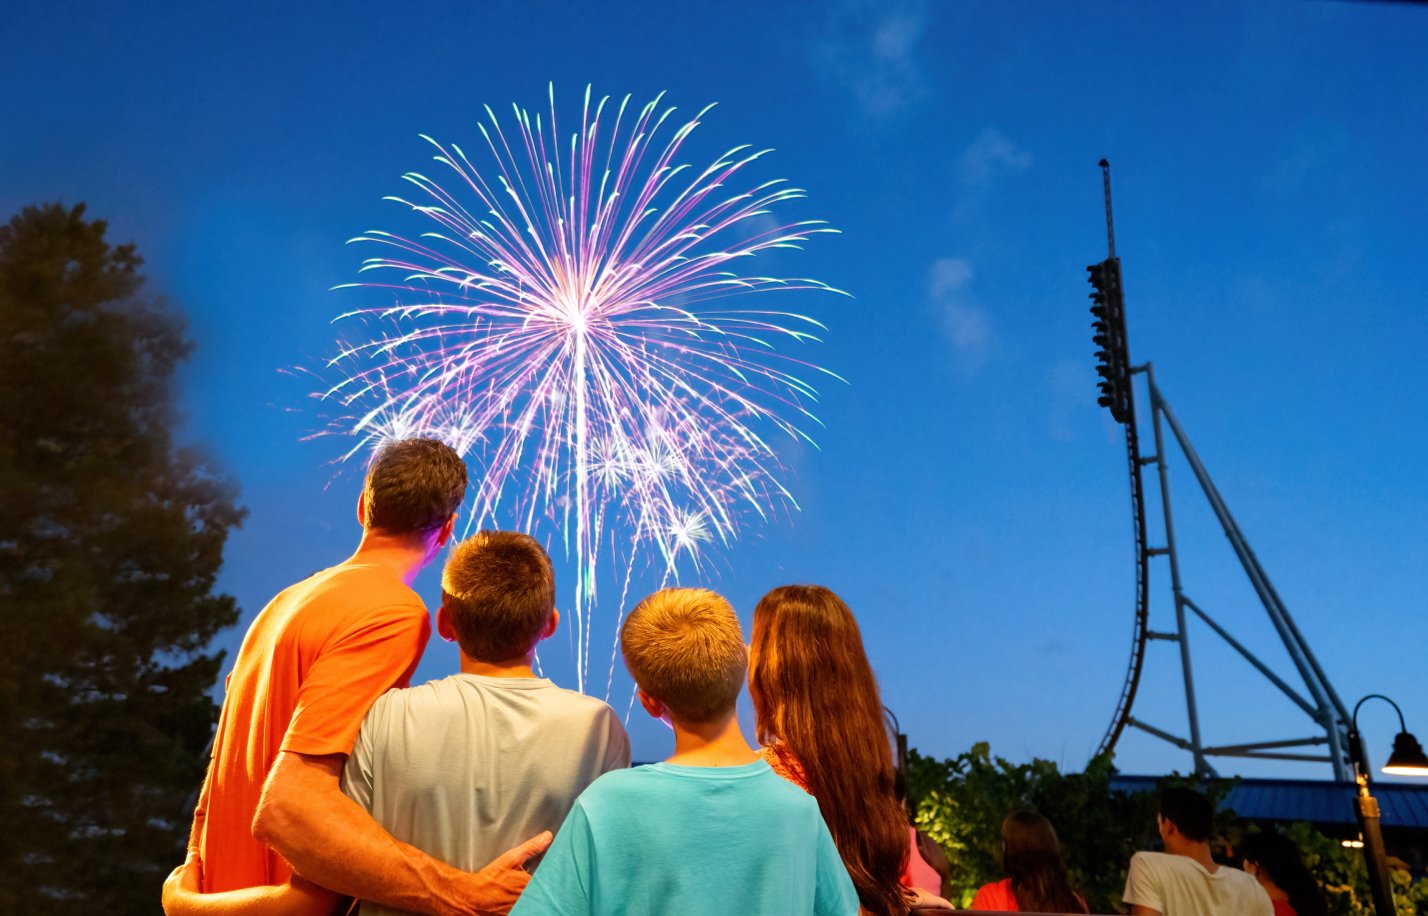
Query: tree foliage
[110, 540]
[960, 803]
[1343, 876]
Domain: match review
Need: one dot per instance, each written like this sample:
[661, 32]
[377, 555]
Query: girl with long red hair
[820, 718]
[1036, 878]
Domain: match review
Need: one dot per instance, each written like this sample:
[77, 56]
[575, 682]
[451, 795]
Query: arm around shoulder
[331, 841]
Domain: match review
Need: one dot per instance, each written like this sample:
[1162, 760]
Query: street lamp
[1407, 759]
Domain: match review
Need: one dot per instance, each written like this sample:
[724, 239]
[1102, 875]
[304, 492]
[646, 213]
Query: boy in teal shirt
[712, 829]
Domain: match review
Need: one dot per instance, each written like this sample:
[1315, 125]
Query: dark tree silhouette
[110, 539]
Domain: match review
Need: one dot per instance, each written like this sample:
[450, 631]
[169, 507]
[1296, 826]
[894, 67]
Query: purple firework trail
[562, 323]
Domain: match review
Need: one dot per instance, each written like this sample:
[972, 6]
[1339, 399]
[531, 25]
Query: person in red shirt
[311, 665]
[1036, 879]
[1278, 865]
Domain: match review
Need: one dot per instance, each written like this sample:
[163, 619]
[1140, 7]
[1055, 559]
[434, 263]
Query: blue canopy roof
[1404, 805]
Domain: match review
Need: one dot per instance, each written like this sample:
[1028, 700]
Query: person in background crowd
[1276, 862]
[820, 718]
[1185, 880]
[927, 864]
[1036, 879]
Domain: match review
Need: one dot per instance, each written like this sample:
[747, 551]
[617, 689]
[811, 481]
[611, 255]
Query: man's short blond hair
[683, 647]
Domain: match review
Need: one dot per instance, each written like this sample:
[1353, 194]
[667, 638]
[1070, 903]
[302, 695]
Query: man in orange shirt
[311, 665]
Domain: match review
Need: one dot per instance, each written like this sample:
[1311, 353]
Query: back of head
[1190, 812]
[1031, 858]
[807, 659]
[815, 694]
[413, 486]
[683, 646]
[498, 590]
[1277, 858]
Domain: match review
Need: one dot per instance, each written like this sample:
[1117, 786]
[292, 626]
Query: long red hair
[817, 700]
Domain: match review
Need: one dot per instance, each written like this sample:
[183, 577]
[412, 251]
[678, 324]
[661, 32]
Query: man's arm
[330, 841]
[182, 895]
[296, 898]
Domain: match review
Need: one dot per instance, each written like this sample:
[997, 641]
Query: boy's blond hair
[498, 590]
[683, 647]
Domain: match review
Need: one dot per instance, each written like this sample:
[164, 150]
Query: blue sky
[967, 497]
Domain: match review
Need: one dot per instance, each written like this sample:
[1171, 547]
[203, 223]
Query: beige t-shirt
[467, 767]
[1180, 886]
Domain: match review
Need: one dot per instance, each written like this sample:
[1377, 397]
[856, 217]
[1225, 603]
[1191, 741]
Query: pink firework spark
[562, 322]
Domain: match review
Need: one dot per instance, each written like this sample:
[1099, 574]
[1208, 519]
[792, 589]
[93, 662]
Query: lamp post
[1407, 759]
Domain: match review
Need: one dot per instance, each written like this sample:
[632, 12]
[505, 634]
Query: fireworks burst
[561, 324]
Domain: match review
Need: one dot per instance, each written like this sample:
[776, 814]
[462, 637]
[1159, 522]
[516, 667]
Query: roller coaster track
[1140, 632]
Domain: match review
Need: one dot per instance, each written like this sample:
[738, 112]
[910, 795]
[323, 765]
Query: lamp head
[1407, 758]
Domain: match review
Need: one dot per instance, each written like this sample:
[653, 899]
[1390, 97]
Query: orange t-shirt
[313, 663]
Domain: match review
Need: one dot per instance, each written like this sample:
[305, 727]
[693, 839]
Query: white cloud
[965, 324]
[871, 47]
[989, 156]
[950, 275]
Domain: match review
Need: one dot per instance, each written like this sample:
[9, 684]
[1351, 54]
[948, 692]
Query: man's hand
[181, 883]
[331, 841]
[494, 889]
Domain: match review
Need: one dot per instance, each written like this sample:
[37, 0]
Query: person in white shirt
[1185, 880]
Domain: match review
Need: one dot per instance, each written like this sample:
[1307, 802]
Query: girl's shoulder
[783, 762]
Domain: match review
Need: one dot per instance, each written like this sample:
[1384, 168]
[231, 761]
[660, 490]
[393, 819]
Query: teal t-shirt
[691, 840]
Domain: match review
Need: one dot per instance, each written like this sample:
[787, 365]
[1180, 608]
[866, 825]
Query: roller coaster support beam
[1328, 711]
[1196, 748]
[1250, 657]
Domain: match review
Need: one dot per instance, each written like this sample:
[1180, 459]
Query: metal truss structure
[1317, 697]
